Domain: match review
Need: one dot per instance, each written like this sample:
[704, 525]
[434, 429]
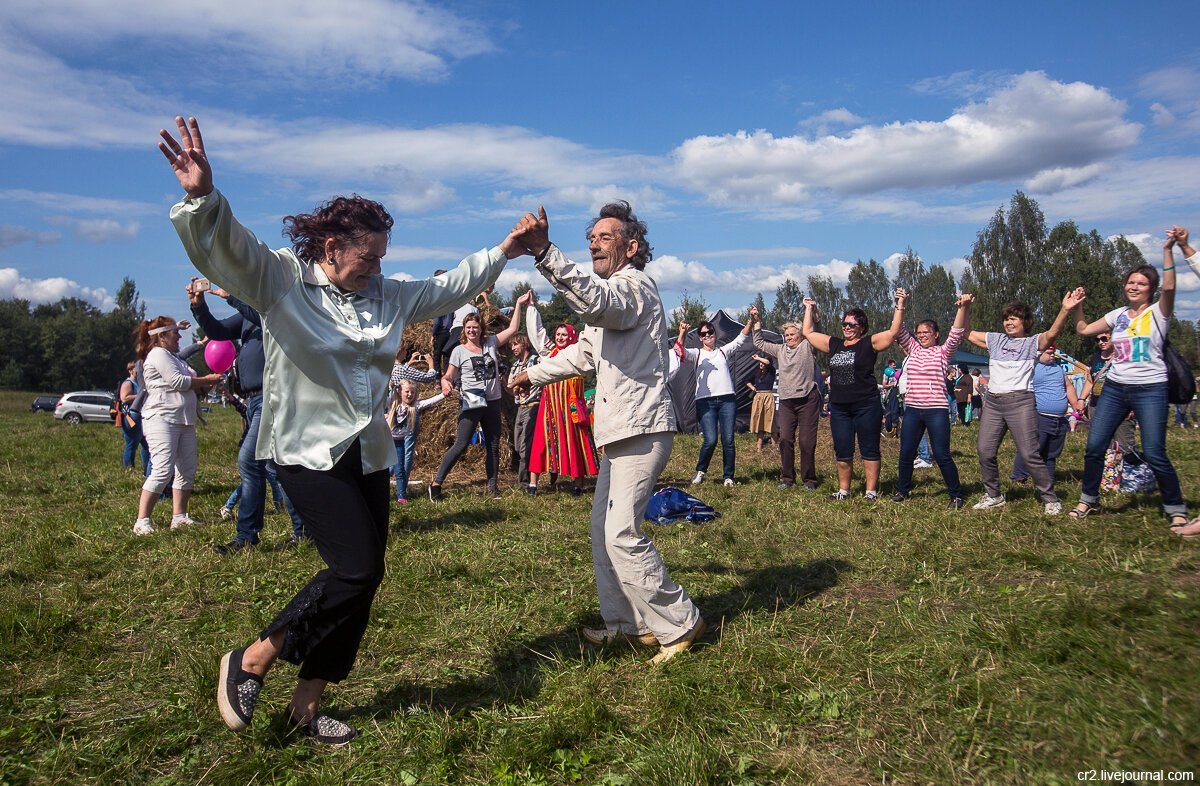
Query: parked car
[92, 405]
[44, 403]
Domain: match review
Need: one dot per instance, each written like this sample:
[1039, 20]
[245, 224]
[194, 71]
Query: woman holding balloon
[168, 419]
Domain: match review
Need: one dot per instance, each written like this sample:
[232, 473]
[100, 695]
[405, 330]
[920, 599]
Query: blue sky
[758, 140]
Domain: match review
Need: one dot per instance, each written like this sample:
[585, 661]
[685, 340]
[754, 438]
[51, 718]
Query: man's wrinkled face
[608, 248]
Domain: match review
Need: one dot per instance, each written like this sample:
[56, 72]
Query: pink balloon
[219, 355]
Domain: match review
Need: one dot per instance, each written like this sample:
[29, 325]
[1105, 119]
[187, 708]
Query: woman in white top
[168, 419]
[1136, 382]
[716, 401]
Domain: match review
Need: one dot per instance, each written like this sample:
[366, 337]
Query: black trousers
[346, 514]
[468, 419]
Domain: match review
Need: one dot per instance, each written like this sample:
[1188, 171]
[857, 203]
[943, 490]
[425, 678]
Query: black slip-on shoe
[327, 730]
[237, 691]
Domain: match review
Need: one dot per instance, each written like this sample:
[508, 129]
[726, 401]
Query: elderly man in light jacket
[635, 423]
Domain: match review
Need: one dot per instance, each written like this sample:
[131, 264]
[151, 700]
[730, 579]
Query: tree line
[72, 345]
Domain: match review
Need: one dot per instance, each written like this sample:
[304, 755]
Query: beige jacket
[623, 342]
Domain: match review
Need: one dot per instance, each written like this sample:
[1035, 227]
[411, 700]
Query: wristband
[1165, 269]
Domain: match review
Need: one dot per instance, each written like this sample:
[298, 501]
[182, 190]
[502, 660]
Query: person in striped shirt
[925, 405]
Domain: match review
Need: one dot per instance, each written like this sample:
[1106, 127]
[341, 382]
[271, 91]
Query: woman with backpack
[1136, 382]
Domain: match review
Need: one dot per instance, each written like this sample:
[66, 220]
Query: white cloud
[1162, 188]
[777, 252]
[79, 203]
[675, 274]
[1030, 125]
[357, 39]
[956, 266]
[1163, 117]
[1050, 180]
[961, 84]
[99, 230]
[13, 235]
[822, 123]
[403, 277]
[1177, 89]
[49, 290]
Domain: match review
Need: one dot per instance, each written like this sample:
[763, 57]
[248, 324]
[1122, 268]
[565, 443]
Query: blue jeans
[1052, 437]
[1149, 405]
[254, 475]
[133, 438]
[861, 419]
[279, 495]
[405, 448]
[716, 412]
[916, 424]
[923, 448]
[1181, 414]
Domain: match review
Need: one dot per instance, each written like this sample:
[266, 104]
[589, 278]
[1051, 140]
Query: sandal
[1082, 510]
[1188, 530]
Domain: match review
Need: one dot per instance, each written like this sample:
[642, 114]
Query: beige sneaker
[669, 651]
[600, 636]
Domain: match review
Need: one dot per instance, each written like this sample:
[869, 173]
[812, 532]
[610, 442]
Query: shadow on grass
[518, 669]
[423, 519]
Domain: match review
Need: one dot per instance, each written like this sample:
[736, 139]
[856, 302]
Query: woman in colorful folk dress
[562, 443]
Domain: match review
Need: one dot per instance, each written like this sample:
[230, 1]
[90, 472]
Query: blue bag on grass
[670, 504]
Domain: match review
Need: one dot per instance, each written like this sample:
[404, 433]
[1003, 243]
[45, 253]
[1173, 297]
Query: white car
[85, 405]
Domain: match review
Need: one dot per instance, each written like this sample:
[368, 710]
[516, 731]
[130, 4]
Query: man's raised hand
[187, 158]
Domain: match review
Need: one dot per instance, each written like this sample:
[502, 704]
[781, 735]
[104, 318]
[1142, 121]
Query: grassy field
[853, 643]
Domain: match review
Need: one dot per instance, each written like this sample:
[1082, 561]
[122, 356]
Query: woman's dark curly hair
[631, 229]
[341, 218]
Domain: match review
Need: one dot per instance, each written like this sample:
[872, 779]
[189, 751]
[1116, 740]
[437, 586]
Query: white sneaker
[225, 513]
[1053, 509]
[871, 496]
[698, 479]
[989, 502]
[184, 520]
[840, 496]
[143, 527]
[922, 464]
[728, 481]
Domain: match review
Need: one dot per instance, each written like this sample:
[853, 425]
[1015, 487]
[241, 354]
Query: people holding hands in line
[1137, 382]
[855, 411]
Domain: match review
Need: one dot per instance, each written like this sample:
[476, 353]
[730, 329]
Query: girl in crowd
[168, 419]
[476, 365]
[334, 324]
[130, 421]
[404, 419]
[854, 406]
[716, 399]
[799, 400]
[925, 405]
[1136, 382]
[562, 443]
[1010, 404]
[762, 407]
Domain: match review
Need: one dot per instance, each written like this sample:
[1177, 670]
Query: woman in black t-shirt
[854, 406]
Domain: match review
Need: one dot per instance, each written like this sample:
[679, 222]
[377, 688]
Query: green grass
[852, 643]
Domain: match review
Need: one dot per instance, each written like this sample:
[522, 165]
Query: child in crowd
[403, 418]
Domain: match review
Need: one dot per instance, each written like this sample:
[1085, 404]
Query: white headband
[163, 329]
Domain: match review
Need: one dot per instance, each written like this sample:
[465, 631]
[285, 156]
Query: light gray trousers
[636, 593]
[1015, 412]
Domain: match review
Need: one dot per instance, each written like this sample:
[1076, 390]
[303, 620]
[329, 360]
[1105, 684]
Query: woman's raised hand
[964, 300]
[1074, 298]
[188, 159]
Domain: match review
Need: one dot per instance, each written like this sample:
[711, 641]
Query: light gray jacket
[623, 343]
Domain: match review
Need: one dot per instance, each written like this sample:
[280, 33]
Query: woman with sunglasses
[855, 410]
[1136, 382]
[716, 398]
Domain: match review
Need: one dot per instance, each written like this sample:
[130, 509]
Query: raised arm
[1071, 301]
[514, 322]
[962, 318]
[537, 331]
[885, 338]
[818, 340]
[1166, 292]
